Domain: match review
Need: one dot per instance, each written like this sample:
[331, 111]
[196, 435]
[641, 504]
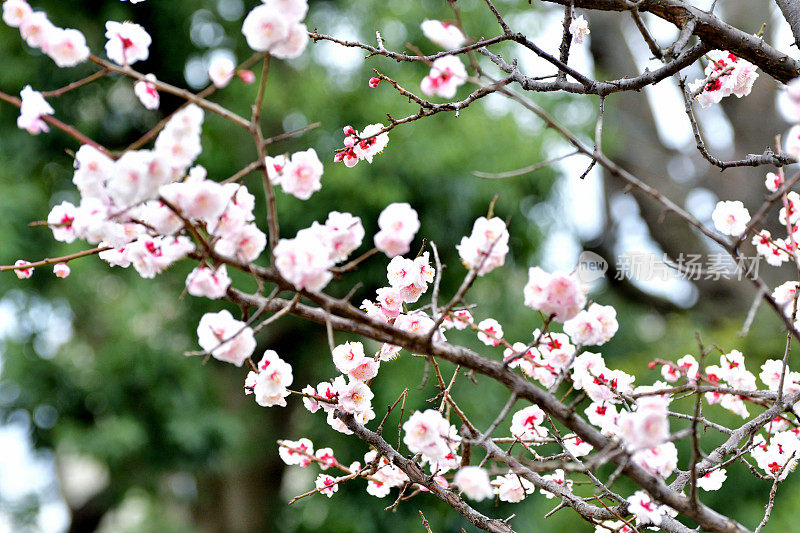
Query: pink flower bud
[373, 82]
[61, 270]
[350, 141]
[349, 130]
[246, 76]
[338, 157]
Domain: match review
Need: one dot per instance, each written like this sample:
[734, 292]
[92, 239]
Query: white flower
[579, 28]
[445, 34]
[730, 217]
[474, 482]
[127, 42]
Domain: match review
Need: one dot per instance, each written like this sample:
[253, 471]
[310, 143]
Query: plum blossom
[348, 356]
[67, 47]
[127, 42]
[61, 270]
[726, 74]
[645, 509]
[425, 429]
[362, 146]
[36, 29]
[221, 70]
[61, 220]
[648, 425]
[490, 332]
[579, 28]
[712, 480]
[474, 482]
[447, 74]
[227, 339]
[486, 248]
[269, 384]
[730, 218]
[326, 485]
[23, 273]
[593, 326]
[15, 12]
[559, 478]
[297, 452]
[513, 488]
[526, 424]
[304, 261]
[275, 27]
[207, 282]
[398, 224]
[301, 174]
[560, 295]
[445, 34]
[31, 110]
[773, 181]
[147, 93]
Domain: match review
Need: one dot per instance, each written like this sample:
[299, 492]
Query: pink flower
[127, 42]
[644, 509]
[67, 47]
[447, 74]
[326, 485]
[264, 27]
[373, 82]
[445, 34]
[15, 12]
[226, 338]
[473, 481]
[348, 356]
[146, 92]
[302, 174]
[31, 110]
[398, 224]
[486, 248]
[23, 273]
[209, 283]
[527, 423]
[559, 295]
[61, 270]
[221, 70]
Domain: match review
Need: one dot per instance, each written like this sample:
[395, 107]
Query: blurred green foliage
[176, 434]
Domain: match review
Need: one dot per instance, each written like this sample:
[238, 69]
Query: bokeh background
[106, 426]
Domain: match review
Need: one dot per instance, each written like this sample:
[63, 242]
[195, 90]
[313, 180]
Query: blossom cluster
[363, 145]
[276, 27]
[726, 74]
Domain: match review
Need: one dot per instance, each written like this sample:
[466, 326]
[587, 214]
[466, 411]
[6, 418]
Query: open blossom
[363, 145]
[445, 34]
[513, 488]
[301, 175]
[447, 74]
[579, 28]
[31, 110]
[593, 326]
[127, 42]
[348, 356]
[61, 270]
[297, 452]
[145, 90]
[355, 397]
[67, 47]
[490, 332]
[220, 71]
[304, 261]
[644, 509]
[346, 234]
[15, 12]
[526, 424]
[648, 425]
[275, 27]
[326, 485]
[712, 480]
[773, 181]
[398, 224]
[36, 29]
[474, 482]
[730, 218]
[61, 220]
[23, 273]
[227, 339]
[423, 429]
[207, 282]
[269, 384]
[792, 146]
[486, 248]
[726, 74]
[560, 295]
